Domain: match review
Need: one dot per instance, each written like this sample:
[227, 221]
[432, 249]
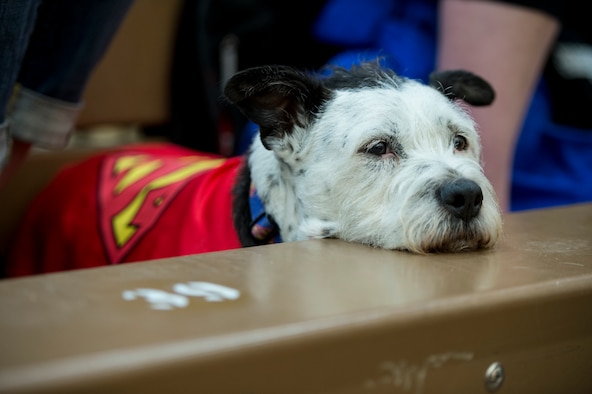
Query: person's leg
[16, 23]
[69, 39]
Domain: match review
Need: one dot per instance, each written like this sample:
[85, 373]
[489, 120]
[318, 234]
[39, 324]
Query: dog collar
[263, 228]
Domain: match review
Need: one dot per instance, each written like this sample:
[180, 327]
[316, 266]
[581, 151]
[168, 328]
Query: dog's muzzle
[462, 198]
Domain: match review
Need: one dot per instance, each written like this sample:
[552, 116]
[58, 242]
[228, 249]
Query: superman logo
[134, 191]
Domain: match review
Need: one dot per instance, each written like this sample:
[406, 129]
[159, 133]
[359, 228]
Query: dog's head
[368, 156]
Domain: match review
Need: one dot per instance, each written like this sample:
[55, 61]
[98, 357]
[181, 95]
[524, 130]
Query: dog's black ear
[277, 98]
[463, 85]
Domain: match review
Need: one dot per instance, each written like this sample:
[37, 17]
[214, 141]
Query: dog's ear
[463, 85]
[277, 98]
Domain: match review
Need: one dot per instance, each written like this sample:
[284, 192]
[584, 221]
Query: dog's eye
[379, 148]
[460, 143]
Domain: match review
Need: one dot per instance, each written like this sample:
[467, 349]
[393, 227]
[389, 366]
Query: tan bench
[315, 317]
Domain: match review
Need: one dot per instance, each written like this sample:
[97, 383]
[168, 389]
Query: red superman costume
[130, 204]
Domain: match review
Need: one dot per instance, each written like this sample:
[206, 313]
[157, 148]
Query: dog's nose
[462, 198]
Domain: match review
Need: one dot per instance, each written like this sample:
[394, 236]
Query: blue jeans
[49, 49]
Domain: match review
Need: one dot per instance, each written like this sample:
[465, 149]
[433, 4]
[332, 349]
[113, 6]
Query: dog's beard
[430, 228]
[450, 234]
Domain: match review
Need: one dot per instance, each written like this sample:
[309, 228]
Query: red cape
[131, 204]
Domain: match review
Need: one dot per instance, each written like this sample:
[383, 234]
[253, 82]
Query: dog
[361, 154]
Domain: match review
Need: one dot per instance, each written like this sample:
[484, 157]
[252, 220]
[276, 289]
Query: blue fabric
[352, 22]
[403, 32]
[553, 162]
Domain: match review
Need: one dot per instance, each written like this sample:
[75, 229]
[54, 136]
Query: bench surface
[322, 316]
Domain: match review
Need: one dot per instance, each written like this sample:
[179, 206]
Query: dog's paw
[317, 228]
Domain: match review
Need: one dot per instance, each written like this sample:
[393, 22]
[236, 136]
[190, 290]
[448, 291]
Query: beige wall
[130, 85]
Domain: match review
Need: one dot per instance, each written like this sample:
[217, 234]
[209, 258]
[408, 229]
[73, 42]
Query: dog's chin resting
[450, 236]
[362, 155]
[435, 232]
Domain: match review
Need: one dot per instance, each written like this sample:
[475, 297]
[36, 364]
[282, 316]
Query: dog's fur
[367, 156]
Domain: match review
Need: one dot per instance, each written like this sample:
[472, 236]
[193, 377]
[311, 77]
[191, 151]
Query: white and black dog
[367, 156]
[362, 155]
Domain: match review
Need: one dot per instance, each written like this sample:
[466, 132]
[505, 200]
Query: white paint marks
[164, 300]
[210, 291]
[412, 377]
[158, 299]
